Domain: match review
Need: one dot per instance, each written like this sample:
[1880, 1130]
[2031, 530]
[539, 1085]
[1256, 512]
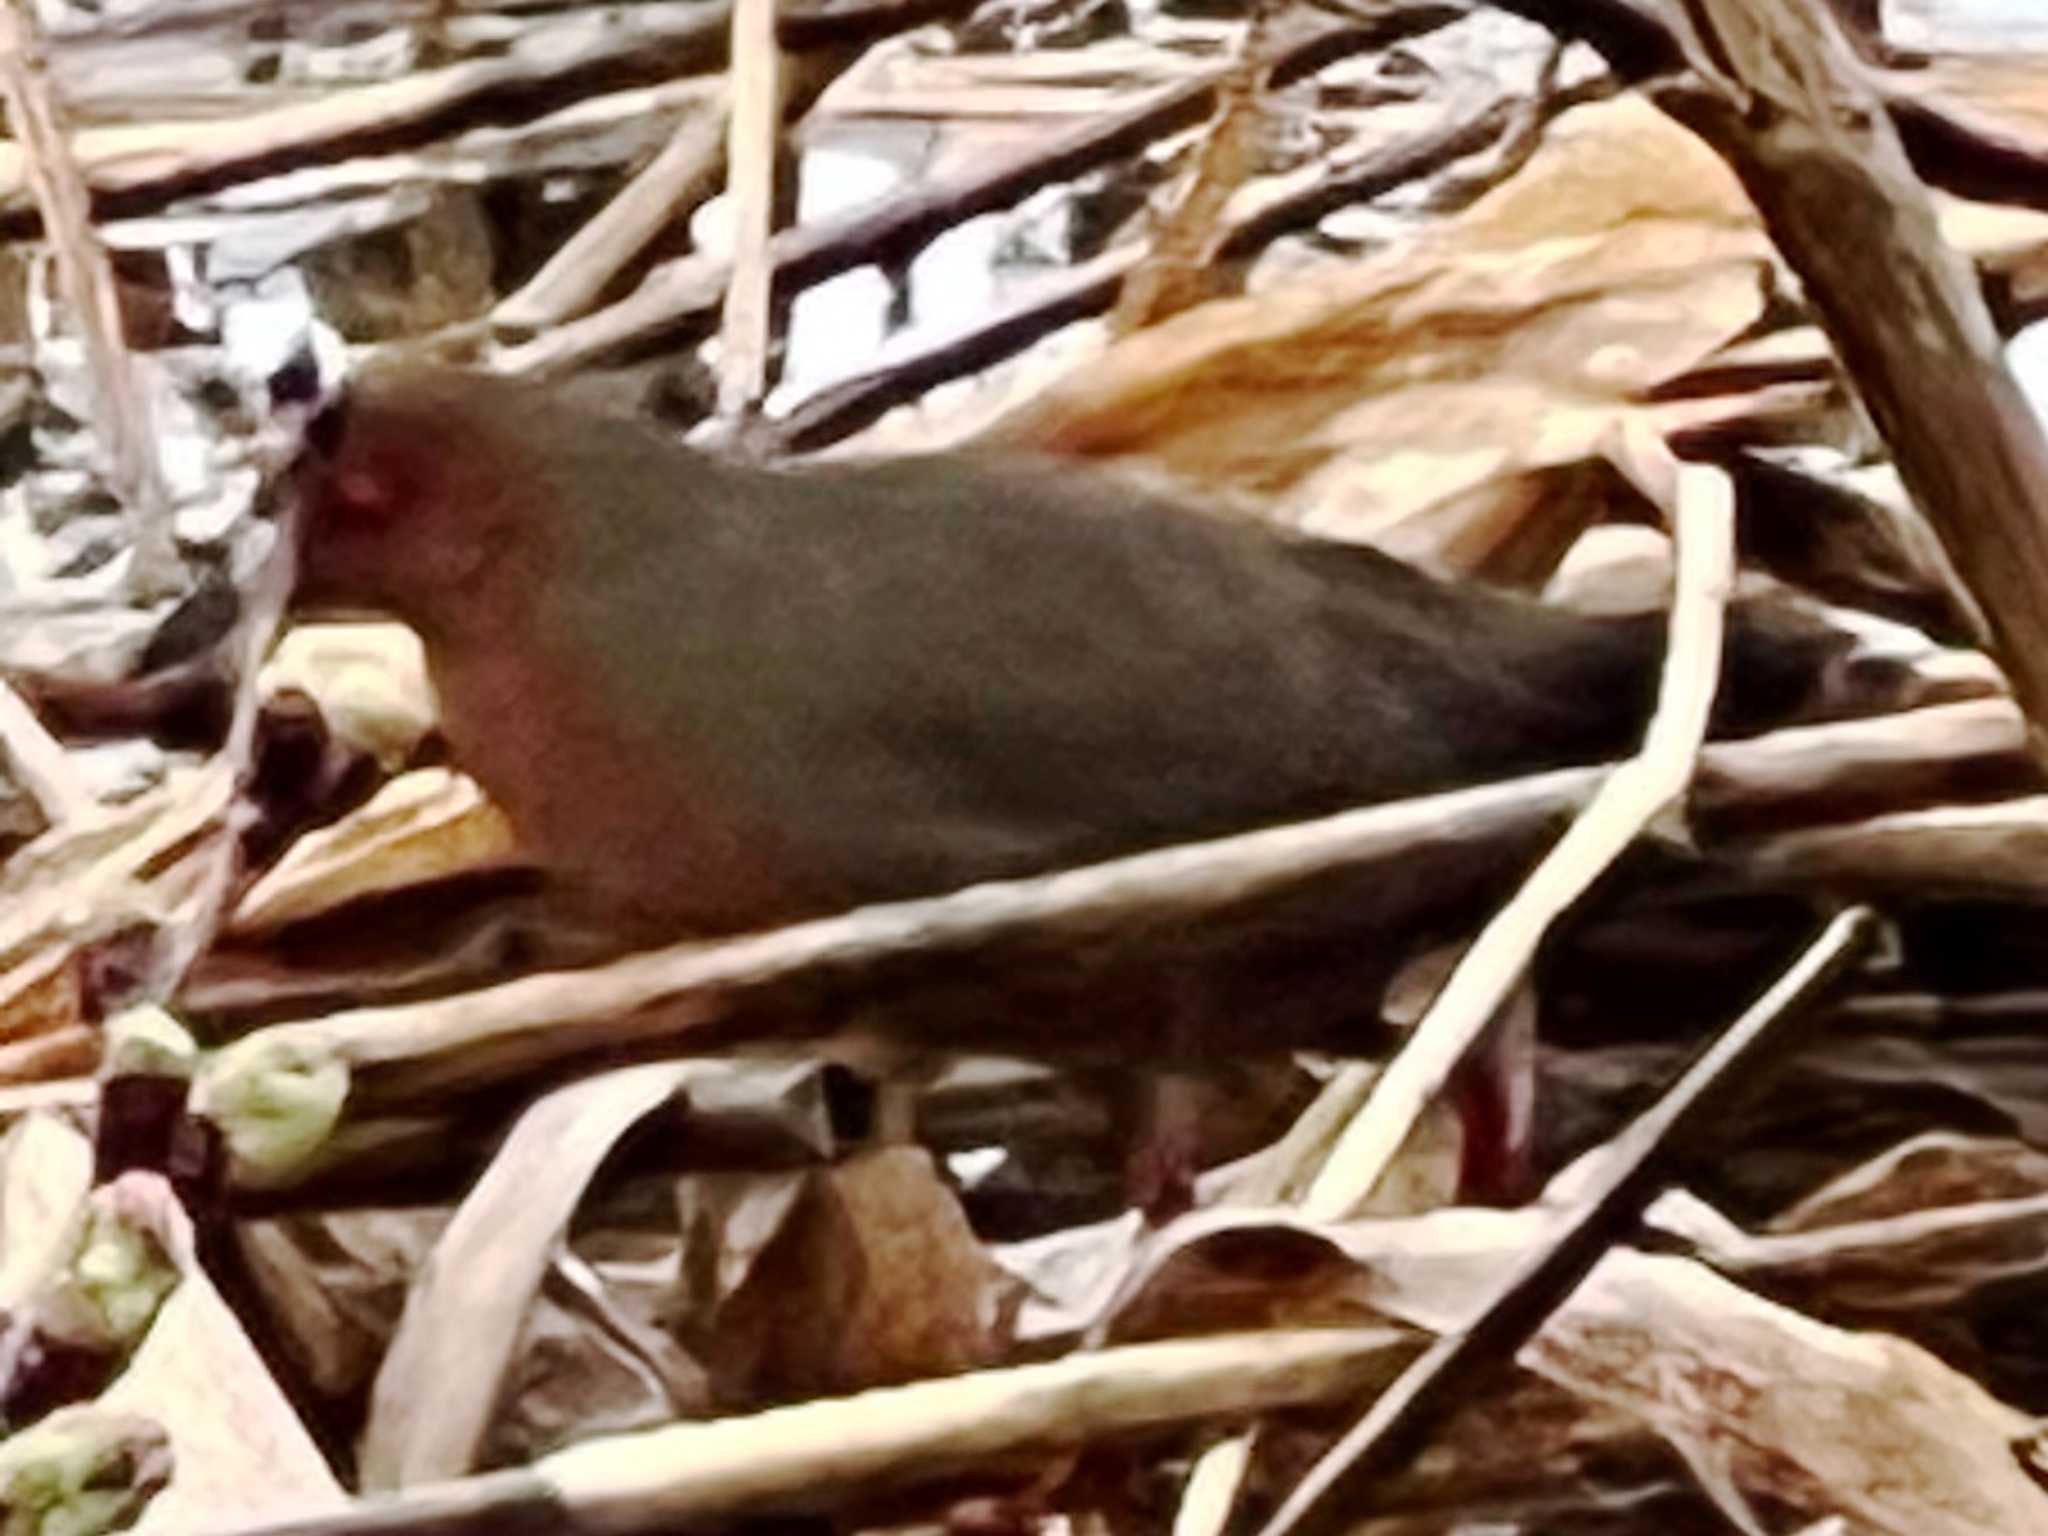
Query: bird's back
[776, 693]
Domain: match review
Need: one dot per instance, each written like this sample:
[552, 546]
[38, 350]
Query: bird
[715, 696]
[723, 696]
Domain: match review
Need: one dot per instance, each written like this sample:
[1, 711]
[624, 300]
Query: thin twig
[1775, 87]
[1062, 298]
[462, 1313]
[751, 150]
[122, 419]
[39, 764]
[688, 1475]
[1175, 272]
[675, 994]
[571, 280]
[1369, 1111]
[1605, 1198]
[687, 289]
[1701, 504]
[256, 631]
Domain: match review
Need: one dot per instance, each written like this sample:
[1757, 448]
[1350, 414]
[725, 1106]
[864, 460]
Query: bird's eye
[325, 432]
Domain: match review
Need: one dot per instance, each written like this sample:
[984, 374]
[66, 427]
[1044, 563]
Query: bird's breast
[627, 820]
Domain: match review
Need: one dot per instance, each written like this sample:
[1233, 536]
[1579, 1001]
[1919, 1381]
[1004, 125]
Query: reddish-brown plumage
[721, 697]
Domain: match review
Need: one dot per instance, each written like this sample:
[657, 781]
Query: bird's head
[403, 484]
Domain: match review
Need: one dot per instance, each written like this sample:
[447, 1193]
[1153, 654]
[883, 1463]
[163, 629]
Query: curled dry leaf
[586, 1368]
[1421, 398]
[45, 1172]
[334, 1282]
[728, 1220]
[2002, 98]
[1915, 1270]
[1774, 1405]
[431, 824]
[874, 1277]
[240, 1452]
[136, 867]
[435, 1391]
[1504, 341]
[1922, 1173]
[369, 680]
[82, 1470]
[1815, 1419]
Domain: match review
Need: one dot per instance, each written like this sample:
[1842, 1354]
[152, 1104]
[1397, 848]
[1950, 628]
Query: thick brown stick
[1794, 112]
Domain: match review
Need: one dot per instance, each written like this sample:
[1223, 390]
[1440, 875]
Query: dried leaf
[82, 1470]
[584, 1370]
[874, 1278]
[1502, 342]
[1923, 1174]
[428, 825]
[369, 680]
[45, 1173]
[1817, 1419]
[437, 1387]
[239, 1451]
[335, 1283]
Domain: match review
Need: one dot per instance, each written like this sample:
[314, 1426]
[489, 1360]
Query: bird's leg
[1160, 1172]
[1166, 1152]
[1493, 1092]
[896, 1097]
[895, 1071]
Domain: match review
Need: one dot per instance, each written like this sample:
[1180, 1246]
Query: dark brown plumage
[722, 697]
